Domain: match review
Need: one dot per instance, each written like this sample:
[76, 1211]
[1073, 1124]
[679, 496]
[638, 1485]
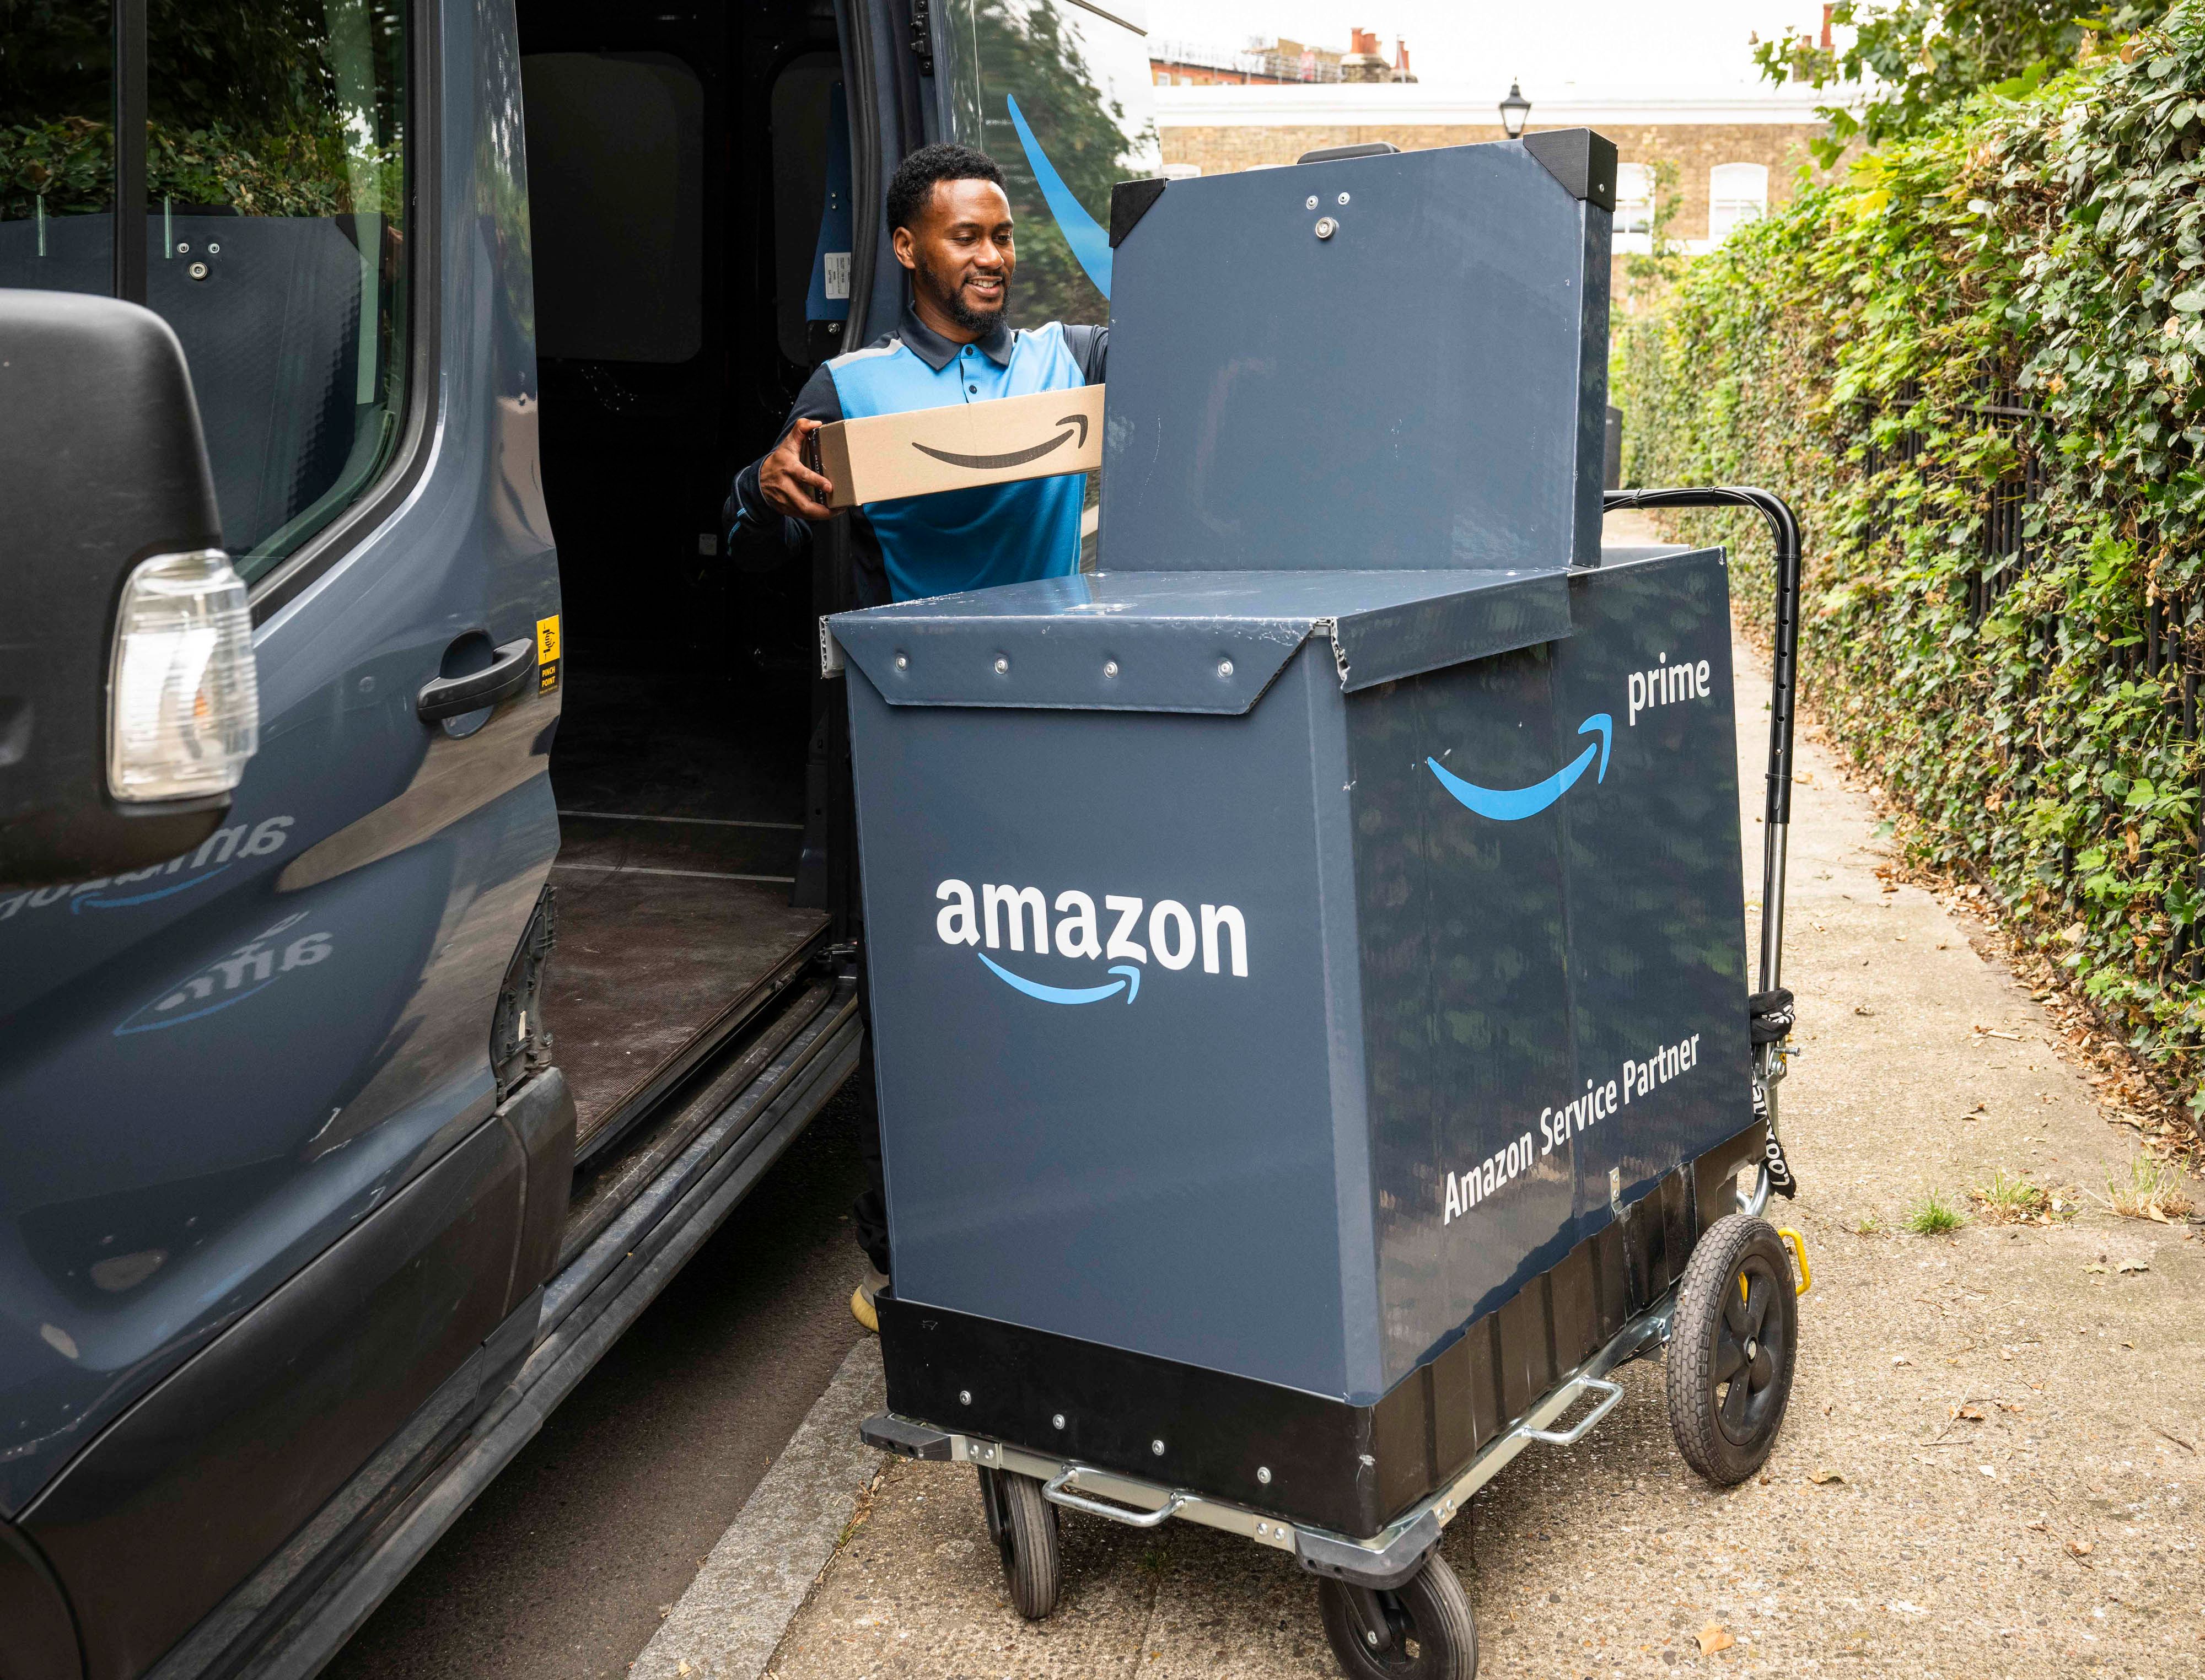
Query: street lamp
[1513, 110]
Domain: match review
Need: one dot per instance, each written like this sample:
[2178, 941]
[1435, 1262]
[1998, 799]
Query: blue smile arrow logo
[1130, 985]
[1513, 804]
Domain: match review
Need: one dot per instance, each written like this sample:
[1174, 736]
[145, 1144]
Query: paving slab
[1991, 1464]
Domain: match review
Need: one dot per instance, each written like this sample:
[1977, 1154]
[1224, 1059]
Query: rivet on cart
[1316, 1039]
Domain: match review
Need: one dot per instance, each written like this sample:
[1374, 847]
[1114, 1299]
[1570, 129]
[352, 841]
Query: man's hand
[789, 486]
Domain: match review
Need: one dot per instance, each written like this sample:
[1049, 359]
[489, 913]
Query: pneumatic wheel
[1732, 1346]
[1419, 1630]
[1023, 1525]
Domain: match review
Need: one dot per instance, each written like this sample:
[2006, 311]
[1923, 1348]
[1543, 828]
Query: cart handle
[1057, 1490]
[1783, 527]
[1610, 1393]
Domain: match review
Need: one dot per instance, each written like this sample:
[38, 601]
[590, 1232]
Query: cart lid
[1190, 641]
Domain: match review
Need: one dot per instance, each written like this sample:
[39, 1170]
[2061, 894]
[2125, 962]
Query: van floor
[680, 819]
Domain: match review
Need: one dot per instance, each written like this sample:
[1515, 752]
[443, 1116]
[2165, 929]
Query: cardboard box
[928, 450]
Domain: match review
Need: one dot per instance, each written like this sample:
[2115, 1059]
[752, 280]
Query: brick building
[1734, 152]
[1273, 61]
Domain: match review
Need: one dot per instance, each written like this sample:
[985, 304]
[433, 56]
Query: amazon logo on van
[1175, 936]
[230, 979]
[1016, 457]
[181, 873]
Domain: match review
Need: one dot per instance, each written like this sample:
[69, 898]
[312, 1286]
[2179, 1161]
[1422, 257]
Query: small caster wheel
[1420, 1628]
[1023, 1525]
[1731, 1348]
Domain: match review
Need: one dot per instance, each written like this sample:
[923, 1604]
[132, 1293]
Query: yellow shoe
[861, 1301]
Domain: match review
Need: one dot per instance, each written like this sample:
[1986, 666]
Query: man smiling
[951, 228]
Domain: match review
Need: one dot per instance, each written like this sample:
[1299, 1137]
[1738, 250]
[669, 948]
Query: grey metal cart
[1312, 1010]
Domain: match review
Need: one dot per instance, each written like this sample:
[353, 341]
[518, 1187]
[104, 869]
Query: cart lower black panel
[1349, 1468]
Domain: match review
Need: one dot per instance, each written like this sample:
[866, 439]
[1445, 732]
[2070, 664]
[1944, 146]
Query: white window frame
[1737, 194]
[1635, 191]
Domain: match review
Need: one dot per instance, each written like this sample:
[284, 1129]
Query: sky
[1610, 45]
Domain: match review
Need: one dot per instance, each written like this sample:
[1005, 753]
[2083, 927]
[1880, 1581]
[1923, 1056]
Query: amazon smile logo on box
[885, 457]
[1217, 933]
[1016, 457]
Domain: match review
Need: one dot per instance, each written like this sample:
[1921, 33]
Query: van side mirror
[128, 705]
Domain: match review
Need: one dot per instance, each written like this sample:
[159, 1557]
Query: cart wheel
[1731, 1348]
[1422, 1628]
[1023, 1525]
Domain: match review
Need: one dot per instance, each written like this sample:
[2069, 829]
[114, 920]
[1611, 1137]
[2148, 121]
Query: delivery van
[427, 894]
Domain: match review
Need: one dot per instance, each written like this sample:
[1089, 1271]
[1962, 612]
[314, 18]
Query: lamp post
[1513, 110]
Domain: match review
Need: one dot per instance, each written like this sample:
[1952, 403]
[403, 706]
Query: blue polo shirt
[922, 545]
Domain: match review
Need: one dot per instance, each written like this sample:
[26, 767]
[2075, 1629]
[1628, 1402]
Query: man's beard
[951, 296]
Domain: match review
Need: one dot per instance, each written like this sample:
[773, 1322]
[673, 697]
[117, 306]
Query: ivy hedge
[67, 162]
[1976, 365]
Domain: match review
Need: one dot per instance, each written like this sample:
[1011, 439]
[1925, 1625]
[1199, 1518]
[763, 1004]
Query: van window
[57, 156]
[274, 144]
[1079, 80]
[616, 204]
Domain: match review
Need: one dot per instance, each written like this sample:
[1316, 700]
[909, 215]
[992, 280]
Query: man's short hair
[912, 188]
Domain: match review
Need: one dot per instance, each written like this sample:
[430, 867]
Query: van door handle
[454, 696]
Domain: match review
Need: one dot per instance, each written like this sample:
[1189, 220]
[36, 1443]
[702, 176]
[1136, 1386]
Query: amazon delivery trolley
[1308, 956]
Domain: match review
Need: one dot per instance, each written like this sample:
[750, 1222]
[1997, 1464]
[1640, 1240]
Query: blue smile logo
[1088, 240]
[1130, 985]
[1513, 804]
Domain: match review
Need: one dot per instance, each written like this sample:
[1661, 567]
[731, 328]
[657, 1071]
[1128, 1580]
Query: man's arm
[1090, 346]
[778, 485]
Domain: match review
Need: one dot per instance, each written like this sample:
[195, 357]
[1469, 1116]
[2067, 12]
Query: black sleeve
[1089, 347]
[745, 515]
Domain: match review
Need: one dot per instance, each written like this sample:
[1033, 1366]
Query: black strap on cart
[1770, 1008]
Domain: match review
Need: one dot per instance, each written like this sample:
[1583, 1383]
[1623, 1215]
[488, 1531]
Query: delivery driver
[951, 227]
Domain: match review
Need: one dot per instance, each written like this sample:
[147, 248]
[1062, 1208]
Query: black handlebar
[1784, 526]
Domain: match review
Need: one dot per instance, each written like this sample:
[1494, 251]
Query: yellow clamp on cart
[1798, 1244]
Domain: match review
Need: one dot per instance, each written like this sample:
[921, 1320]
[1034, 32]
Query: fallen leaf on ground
[2009, 1405]
[2095, 1266]
[1988, 1470]
[1973, 1414]
[1821, 1478]
[2081, 1548]
[1714, 1637]
[2133, 1266]
[2040, 1525]
[1863, 1009]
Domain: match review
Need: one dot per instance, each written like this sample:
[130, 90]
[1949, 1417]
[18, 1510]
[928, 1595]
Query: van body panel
[41, 1641]
[183, 1496]
[262, 1205]
[208, 1074]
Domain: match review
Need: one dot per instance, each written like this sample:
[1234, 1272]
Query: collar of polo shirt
[937, 352]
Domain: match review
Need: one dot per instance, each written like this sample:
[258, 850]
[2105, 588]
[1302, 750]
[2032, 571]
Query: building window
[1634, 207]
[1737, 194]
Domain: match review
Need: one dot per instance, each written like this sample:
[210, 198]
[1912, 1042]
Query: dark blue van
[426, 901]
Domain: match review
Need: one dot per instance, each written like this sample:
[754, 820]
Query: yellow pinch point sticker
[547, 653]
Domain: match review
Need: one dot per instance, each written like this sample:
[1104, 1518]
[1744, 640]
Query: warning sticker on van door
[547, 654]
